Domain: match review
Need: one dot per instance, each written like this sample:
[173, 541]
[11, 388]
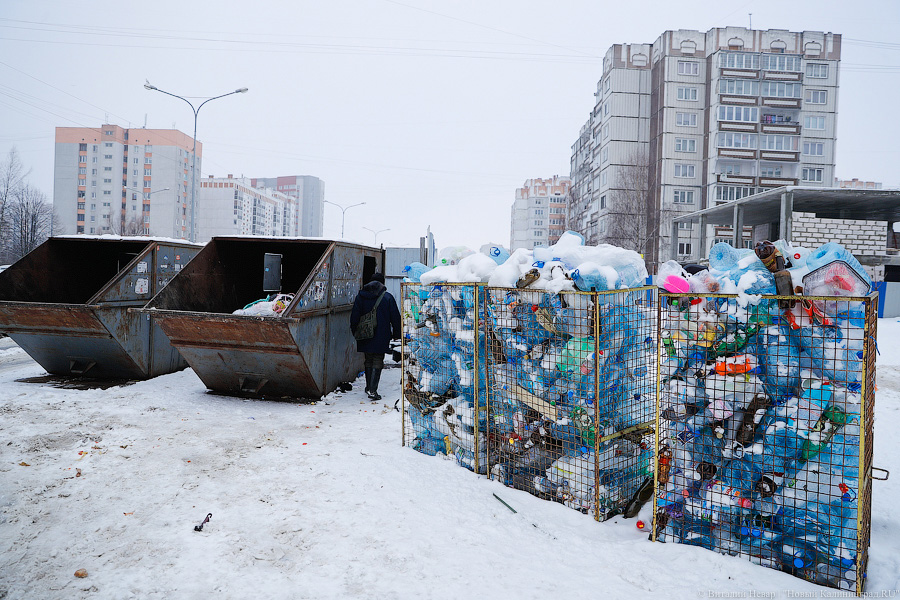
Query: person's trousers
[374, 363]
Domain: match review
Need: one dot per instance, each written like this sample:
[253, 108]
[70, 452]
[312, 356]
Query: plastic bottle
[831, 252]
[414, 271]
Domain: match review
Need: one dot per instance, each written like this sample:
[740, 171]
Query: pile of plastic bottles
[760, 408]
[560, 377]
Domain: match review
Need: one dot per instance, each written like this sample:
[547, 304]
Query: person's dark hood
[372, 289]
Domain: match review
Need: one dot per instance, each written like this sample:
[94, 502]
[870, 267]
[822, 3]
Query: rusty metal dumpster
[67, 305]
[304, 352]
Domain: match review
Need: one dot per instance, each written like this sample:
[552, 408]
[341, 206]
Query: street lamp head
[241, 91]
[149, 87]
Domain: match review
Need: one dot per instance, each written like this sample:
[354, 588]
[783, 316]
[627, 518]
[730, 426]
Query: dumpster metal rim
[316, 312]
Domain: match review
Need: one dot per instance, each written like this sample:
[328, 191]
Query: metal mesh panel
[560, 398]
[764, 431]
[443, 380]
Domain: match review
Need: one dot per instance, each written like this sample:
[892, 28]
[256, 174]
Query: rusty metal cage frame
[866, 418]
[486, 345]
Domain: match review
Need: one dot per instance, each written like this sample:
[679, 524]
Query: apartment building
[235, 206]
[123, 181]
[309, 192]
[538, 216]
[697, 119]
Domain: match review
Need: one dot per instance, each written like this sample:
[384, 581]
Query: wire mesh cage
[764, 430]
[551, 393]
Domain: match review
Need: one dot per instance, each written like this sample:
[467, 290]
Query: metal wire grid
[764, 431]
[561, 399]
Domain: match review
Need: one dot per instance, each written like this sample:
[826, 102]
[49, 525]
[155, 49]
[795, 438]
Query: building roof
[825, 203]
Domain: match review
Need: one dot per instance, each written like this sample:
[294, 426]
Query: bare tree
[119, 225]
[12, 180]
[31, 220]
[634, 218]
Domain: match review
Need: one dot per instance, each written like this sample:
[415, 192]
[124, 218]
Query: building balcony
[786, 128]
[781, 102]
[782, 75]
[735, 99]
[735, 179]
[738, 126]
[779, 155]
[776, 181]
[743, 73]
[736, 153]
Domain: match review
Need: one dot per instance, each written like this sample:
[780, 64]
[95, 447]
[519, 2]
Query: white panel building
[715, 116]
[538, 216]
[233, 206]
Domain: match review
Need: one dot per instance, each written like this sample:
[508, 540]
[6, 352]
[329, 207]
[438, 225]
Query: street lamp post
[343, 212]
[194, 149]
[377, 232]
[144, 196]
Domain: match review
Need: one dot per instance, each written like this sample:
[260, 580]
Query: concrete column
[787, 216]
[702, 237]
[673, 248]
[737, 224]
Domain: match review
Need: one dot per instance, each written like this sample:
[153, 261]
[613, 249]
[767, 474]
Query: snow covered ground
[321, 501]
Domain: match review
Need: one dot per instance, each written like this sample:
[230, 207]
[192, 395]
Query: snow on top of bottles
[564, 266]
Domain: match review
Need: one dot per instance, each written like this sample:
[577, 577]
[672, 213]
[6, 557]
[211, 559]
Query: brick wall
[862, 238]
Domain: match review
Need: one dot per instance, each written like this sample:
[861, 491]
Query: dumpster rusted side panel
[67, 339]
[242, 355]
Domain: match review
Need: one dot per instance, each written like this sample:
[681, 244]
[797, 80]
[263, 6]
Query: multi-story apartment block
[539, 212]
[234, 206]
[309, 191]
[697, 119]
[856, 184]
[123, 181]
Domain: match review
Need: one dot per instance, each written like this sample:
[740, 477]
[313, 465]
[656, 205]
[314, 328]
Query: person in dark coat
[387, 328]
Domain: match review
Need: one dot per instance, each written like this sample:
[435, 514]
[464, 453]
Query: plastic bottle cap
[639, 524]
[798, 562]
[584, 450]
[745, 530]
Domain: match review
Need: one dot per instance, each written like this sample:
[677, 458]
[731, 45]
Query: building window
[82, 147]
[770, 171]
[606, 131]
[738, 60]
[686, 225]
[147, 172]
[687, 93]
[685, 145]
[816, 70]
[683, 197]
[814, 175]
[148, 148]
[731, 169]
[107, 168]
[814, 123]
[107, 192]
[538, 233]
[780, 62]
[603, 201]
[148, 160]
[107, 181]
[604, 155]
[779, 142]
[82, 182]
[688, 67]
[816, 96]
[684, 170]
[538, 223]
[748, 114]
[780, 89]
[108, 132]
[82, 159]
[107, 144]
[606, 85]
[814, 148]
[727, 139]
[686, 119]
[727, 193]
[684, 248]
[739, 87]
[107, 156]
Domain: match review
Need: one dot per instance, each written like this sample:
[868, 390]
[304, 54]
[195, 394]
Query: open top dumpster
[304, 351]
[67, 305]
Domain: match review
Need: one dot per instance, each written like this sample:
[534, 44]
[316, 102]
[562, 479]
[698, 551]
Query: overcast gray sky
[431, 112]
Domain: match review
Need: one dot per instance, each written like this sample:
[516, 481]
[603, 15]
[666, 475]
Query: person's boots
[368, 379]
[373, 386]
